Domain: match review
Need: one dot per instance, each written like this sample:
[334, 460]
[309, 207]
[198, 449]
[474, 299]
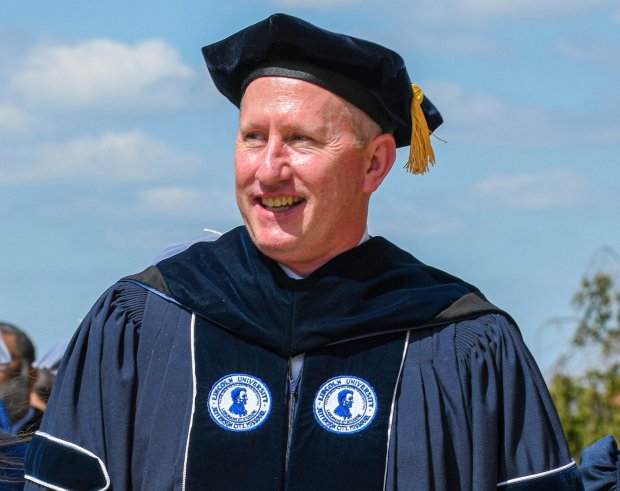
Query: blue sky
[114, 144]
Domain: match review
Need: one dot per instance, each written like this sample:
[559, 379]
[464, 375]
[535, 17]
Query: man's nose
[275, 166]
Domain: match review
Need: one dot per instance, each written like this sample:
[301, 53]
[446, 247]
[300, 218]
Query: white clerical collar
[295, 276]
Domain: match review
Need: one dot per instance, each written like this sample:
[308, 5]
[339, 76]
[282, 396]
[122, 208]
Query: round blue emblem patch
[345, 404]
[239, 402]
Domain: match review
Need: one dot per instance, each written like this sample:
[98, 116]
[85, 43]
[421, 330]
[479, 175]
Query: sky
[115, 144]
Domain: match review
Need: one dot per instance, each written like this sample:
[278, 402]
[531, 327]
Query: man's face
[299, 173]
[242, 398]
[347, 401]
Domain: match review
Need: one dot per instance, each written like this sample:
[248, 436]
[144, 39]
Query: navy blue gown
[446, 395]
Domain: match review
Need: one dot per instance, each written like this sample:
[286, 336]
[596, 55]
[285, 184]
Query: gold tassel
[420, 151]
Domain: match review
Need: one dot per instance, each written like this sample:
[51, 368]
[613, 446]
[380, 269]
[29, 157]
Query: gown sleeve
[474, 413]
[515, 426]
[85, 438]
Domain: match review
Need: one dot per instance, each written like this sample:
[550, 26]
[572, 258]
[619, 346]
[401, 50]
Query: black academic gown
[445, 393]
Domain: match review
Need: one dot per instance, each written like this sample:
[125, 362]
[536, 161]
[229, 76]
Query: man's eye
[300, 138]
[253, 138]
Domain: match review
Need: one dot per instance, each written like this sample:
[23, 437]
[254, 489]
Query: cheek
[244, 170]
[344, 182]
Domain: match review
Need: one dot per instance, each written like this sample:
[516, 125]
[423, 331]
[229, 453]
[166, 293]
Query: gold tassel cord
[421, 153]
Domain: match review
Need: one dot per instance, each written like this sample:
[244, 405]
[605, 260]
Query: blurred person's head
[42, 388]
[16, 377]
[46, 369]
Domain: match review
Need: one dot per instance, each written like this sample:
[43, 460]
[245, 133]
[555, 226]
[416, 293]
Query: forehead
[290, 94]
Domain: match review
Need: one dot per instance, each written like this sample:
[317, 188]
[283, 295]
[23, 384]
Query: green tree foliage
[588, 401]
[588, 405]
[598, 300]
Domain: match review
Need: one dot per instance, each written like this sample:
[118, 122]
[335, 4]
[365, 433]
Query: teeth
[281, 201]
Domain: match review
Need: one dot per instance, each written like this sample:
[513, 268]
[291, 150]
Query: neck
[300, 275]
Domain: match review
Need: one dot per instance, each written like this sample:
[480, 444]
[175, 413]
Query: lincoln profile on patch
[345, 402]
[301, 294]
[240, 398]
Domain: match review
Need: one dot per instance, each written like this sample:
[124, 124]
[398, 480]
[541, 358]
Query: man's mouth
[281, 203]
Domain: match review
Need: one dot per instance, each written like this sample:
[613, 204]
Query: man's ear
[382, 154]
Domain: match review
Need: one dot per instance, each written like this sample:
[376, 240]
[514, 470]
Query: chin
[271, 235]
[275, 246]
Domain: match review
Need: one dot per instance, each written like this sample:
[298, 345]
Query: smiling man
[349, 363]
[304, 174]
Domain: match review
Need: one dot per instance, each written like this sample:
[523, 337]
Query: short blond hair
[364, 127]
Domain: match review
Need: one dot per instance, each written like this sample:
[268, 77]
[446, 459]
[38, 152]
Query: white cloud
[607, 134]
[393, 218]
[476, 117]
[322, 5]
[575, 51]
[511, 7]
[102, 74]
[209, 205]
[14, 120]
[465, 106]
[476, 10]
[601, 52]
[112, 157]
[455, 42]
[561, 188]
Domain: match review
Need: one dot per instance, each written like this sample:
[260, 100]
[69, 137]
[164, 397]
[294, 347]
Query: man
[298, 306]
[345, 402]
[239, 397]
[16, 380]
